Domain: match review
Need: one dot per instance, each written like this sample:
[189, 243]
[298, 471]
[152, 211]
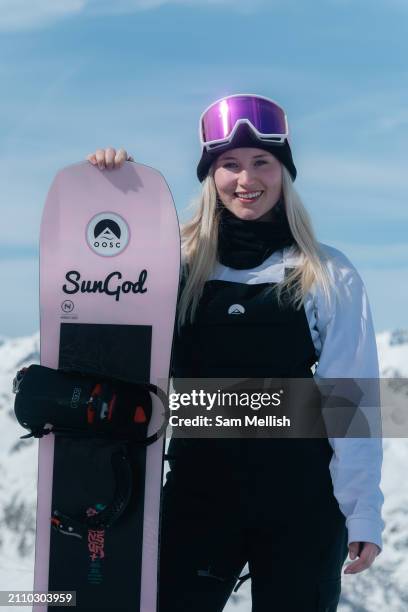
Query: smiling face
[248, 182]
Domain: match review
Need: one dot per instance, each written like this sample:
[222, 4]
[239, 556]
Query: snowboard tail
[86, 483]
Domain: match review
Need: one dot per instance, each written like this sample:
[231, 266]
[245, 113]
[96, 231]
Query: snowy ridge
[18, 473]
[383, 586]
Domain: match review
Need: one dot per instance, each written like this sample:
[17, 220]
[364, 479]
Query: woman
[292, 508]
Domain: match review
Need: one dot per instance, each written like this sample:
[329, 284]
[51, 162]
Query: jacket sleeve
[349, 350]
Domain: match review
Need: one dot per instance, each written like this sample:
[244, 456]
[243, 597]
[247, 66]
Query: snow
[383, 586]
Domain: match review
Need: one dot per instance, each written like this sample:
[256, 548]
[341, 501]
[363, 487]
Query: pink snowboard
[109, 260]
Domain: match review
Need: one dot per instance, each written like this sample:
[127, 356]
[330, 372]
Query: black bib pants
[266, 502]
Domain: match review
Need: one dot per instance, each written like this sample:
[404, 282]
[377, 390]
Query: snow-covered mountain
[383, 586]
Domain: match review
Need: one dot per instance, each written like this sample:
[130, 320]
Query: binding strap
[39, 432]
[66, 431]
[78, 526]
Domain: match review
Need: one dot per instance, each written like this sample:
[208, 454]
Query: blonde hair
[199, 238]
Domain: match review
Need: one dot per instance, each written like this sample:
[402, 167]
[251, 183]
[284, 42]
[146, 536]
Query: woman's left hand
[367, 555]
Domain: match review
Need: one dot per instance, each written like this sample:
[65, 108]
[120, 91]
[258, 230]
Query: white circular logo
[236, 309]
[107, 234]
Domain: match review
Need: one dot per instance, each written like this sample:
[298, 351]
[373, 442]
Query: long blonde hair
[199, 238]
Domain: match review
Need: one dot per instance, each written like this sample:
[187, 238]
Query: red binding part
[96, 391]
[139, 416]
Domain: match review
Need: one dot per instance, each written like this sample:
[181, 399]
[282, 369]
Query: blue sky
[82, 74]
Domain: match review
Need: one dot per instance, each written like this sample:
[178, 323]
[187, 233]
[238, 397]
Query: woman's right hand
[109, 158]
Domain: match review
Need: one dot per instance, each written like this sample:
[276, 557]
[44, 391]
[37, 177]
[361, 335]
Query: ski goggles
[219, 122]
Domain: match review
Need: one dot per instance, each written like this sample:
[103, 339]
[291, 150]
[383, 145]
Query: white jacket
[344, 339]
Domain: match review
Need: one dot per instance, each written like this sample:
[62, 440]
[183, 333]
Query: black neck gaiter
[246, 244]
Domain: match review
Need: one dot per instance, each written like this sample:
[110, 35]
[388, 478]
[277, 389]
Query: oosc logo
[107, 234]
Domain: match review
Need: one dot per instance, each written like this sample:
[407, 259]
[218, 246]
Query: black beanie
[245, 137]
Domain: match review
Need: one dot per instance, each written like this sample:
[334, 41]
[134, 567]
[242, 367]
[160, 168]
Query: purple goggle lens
[220, 120]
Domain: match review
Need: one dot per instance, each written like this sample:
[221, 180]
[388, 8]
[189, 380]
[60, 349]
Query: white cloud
[130, 6]
[22, 15]
[398, 119]
[372, 112]
[354, 172]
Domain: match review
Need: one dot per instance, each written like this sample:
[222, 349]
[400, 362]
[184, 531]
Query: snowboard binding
[106, 516]
[77, 404]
